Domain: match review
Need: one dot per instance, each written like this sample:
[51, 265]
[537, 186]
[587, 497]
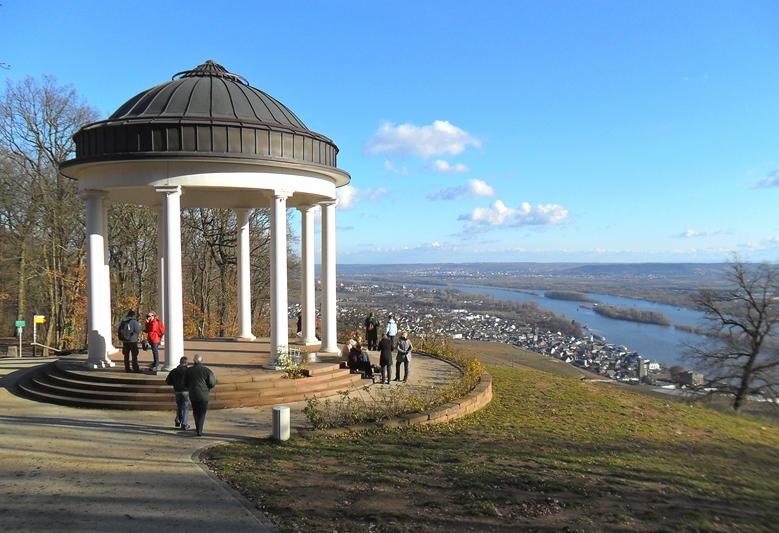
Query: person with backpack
[129, 332]
[154, 331]
[371, 331]
[403, 356]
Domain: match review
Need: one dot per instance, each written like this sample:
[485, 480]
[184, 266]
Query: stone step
[166, 405]
[44, 383]
[59, 384]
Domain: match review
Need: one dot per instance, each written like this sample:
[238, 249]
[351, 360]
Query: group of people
[190, 383]
[358, 360]
[130, 333]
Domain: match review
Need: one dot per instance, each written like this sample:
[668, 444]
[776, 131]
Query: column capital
[329, 201]
[92, 193]
[169, 189]
[282, 193]
[305, 208]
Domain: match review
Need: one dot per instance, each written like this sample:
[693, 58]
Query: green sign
[20, 323]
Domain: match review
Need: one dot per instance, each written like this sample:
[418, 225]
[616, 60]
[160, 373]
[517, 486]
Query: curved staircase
[67, 382]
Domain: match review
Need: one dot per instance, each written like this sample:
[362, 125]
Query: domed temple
[208, 139]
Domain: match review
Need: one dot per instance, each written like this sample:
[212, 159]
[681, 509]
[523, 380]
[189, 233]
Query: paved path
[70, 469]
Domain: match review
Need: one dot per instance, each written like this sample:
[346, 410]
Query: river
[662, 343]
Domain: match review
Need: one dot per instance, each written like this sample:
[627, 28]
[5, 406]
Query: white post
[329, 330]
[107, 267]
[174, 329]
[98, 301]
[307, 291]
[278, 273]
[161, 308]
[244, 273]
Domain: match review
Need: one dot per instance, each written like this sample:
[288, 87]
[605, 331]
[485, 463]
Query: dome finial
[210, 69]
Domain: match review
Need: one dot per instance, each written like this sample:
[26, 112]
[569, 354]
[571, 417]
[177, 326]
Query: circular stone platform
[240, 368]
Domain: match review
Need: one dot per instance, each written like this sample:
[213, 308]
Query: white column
[279, 324]
[329, 330]
[110, 348]
[161, 309]
[244, 269]
[307, 291]
[174, 329]
[98, 301]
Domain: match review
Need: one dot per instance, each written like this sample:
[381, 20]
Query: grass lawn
[549, 453]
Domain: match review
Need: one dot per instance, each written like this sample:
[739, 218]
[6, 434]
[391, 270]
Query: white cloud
[499, 214]
[479, 188]
[440, 137]
[475, 188]
[441, 165]
[771, 180]
[692, 234]
[349, 195]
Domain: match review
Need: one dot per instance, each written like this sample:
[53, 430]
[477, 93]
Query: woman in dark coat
[385, 358]
[354, 357]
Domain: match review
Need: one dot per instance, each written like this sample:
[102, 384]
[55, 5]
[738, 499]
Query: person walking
[178, 378]
[199, 380]
[154, 331]
[129, 332]
[403, 356]
[392, 329]
[371, 331]
[385, 358]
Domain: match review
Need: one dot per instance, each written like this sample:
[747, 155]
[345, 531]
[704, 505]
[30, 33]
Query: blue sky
[479, 131]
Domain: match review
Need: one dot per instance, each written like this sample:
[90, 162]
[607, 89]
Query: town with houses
[417, 313]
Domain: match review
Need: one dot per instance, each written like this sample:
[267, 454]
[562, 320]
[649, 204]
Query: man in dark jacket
[385, 358]
[129, 332]
[199, 381]
[178, 378]
[371, 331]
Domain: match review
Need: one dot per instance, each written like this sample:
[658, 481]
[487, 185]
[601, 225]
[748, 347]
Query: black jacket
[199, 380]
[178, 378]
[385, 351]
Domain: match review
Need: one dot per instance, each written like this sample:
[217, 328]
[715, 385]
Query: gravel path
[69, 469]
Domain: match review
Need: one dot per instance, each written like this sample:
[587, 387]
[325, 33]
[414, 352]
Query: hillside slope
[548, 453]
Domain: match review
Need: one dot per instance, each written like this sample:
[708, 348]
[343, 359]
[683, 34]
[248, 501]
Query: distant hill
[605, 270]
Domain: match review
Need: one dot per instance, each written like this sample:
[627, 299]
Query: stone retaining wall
[480, 396]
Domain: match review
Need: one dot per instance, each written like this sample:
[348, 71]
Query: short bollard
[281, 422]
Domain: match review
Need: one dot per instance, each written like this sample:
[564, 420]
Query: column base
[242, 338]
[104, 363]
[310, 342]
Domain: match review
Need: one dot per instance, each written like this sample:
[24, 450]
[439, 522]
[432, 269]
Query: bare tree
[37, 121]
[741, 357]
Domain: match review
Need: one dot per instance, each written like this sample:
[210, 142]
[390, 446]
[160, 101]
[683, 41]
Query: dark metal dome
[206, 111]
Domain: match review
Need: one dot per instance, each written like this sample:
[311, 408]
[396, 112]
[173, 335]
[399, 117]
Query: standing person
[154, 331]
[129, 332]
[385, 358]
[371, 331]
[178, 378]
[404, 356]
[199, 381]
[392, 329]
